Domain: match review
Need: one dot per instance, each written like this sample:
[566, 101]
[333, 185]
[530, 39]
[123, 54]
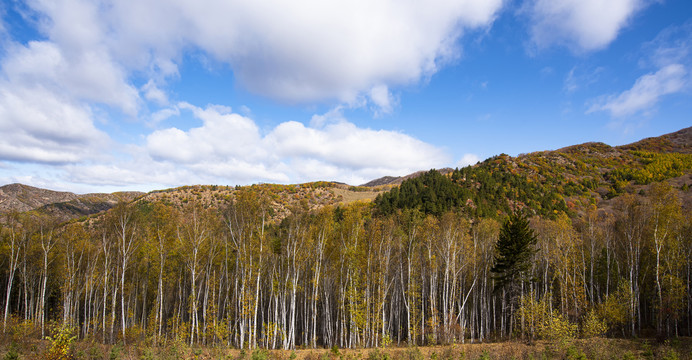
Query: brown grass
[680, 348]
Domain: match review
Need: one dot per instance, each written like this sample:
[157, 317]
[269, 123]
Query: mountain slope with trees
[288, 266]
[548, 182]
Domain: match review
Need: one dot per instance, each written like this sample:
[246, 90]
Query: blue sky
[101, 96]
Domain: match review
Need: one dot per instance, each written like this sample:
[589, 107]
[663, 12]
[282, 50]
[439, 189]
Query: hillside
[87, 204]
[549, 182]
[58, 204]
[66, 206]
[397, 180]
[19, 197]
[677, 142]
[282, 198]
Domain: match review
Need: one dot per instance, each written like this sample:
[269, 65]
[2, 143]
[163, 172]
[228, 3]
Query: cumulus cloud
[231, 147]
[582, 25]
[87, 55]
[224, 135]
[294, 51]
[38, 126]
[153, 93]
[87, 76]
[347, 146]
[645, 93]
[228, 148]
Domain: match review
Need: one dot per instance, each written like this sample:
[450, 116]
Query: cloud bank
[230, 147]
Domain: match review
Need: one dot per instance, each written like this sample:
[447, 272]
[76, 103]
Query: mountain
[19, 197]
[677, 142]
[282, 198]
[59, 204]
[66, 206]
[589, 205]
[397, 180]
[570, 179]
[87, 204]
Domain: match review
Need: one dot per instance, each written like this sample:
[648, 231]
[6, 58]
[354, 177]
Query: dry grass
[346, 196]
[616, 349]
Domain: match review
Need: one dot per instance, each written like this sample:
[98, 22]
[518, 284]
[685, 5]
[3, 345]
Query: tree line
[350, 275]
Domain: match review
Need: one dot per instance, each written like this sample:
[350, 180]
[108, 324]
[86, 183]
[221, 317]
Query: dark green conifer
[513, 251]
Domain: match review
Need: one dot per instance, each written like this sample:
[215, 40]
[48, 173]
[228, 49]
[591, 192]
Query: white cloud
[347, 146]
[121, 54]
[154, 93]
[670, 57]
[302, 50]
[86, 76]
[582, 25]
[224, 135]
[228, 147]
[38, 126]
[163, 114]
[646, 92]
[382, 98]
[468, 159]
[88, 54]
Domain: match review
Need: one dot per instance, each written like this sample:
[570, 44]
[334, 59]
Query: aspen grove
[348, 276]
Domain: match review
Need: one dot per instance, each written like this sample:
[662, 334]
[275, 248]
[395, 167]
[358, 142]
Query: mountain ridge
[590, 167]
[63, 205]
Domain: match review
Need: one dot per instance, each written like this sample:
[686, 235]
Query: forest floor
[599, 348]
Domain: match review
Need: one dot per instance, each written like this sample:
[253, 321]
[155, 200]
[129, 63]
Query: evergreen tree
[513, 251]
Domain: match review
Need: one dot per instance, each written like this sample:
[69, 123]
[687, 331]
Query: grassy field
[625, 349]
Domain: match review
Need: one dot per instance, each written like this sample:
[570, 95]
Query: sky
[115, 95]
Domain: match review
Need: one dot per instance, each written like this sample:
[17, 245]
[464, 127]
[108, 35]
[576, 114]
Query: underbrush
[581, 349]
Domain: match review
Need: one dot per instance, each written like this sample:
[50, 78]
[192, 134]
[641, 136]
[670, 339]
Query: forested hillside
[606, 251]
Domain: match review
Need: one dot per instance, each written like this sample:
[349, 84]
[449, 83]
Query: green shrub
[628, 356]
[259, 354]
[12, 353]
[115, 353]
[672, 355]
[575, 354]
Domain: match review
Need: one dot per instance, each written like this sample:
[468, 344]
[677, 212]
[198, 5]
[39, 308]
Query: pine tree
[513, 251]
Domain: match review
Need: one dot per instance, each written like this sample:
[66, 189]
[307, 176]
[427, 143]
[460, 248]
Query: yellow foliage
[557, 328]
[594, 325]
[61, 342]
[615, 309]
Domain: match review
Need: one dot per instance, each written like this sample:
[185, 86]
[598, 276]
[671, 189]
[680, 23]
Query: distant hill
[66, 206]
[60, 204]
[87, 204]
[567, 179]
[397, 180]
[19, 197]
